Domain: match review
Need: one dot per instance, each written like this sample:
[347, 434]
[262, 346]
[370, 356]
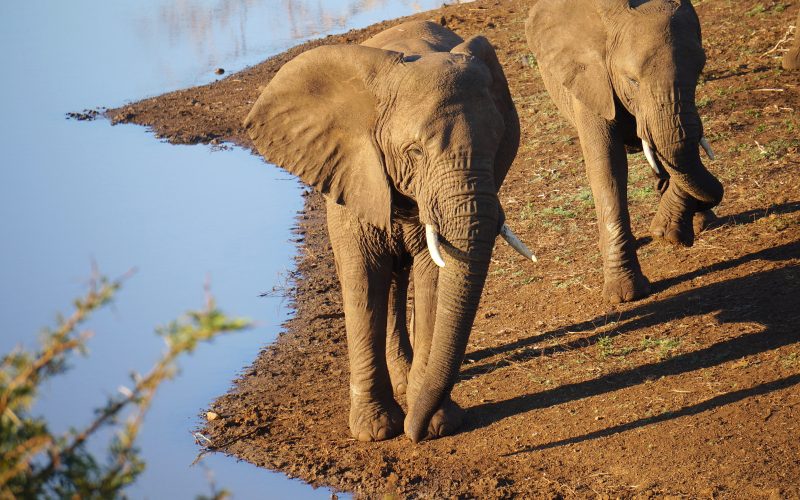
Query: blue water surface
[76, 193]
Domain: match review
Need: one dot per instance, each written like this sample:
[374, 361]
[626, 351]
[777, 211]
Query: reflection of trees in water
[201, 34]
[311, 18]
[202, 22]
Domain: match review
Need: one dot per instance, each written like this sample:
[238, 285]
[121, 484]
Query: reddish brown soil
[693, 391]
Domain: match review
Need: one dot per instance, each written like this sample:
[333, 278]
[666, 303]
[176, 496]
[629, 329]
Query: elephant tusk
[432, 237]
[707, 148]
[516, 244]
[651, 159]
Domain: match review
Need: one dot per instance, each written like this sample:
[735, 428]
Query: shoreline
[565, 396]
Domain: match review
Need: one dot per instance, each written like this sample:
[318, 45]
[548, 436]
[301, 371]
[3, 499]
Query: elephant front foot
[674, 220]
[678, 231]
[446, 421]
[625, 287]
[372, 419]
[703, 221]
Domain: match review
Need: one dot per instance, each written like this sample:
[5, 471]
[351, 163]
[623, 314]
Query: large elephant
[409, 136]
[791, 59]
[624, 73]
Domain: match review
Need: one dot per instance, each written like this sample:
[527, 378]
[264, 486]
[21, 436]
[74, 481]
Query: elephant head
[379, 132]
[642, 57]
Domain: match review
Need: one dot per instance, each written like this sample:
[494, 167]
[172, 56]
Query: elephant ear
[569, 42]
[317, 119]
[480, 48]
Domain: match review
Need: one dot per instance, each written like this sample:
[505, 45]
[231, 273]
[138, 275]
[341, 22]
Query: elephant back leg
[398, 346]
[364, 266]
[607, 169]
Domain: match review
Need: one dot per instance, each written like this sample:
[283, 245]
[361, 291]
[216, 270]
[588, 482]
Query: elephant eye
[414, 152]
[633, 81]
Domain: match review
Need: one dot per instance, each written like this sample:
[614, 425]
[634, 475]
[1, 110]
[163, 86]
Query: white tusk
[432, 238]
[651, 159]
[515, 243]
[707, 148]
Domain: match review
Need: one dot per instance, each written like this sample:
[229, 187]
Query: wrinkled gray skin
[791, 59]
[415, 126]
[621, 72]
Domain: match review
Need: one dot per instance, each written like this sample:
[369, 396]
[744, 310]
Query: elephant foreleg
[426, 274]
[398, 347]
[673, 219]
[607, 169]
[677, 219]
[365, 275]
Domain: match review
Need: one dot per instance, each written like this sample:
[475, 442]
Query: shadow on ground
[767, 298]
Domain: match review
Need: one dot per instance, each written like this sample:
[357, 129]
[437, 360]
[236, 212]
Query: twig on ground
[783, 40]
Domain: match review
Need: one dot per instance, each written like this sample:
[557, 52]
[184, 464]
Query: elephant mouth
[436, 242]
[655, 163]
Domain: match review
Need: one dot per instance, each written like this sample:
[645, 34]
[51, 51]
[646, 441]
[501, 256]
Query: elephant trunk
[675, 133]
[469, 221]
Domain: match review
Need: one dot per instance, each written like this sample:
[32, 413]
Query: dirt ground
[693, 391]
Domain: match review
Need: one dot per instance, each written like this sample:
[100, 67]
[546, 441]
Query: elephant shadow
[744, 69]
[750, 216]
[740, 219]
[768, 298]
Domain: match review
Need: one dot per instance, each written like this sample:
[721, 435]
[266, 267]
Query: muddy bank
[692, 391]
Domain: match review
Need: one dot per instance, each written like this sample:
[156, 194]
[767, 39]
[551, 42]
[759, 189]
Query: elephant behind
[624, 73]
[408, 136]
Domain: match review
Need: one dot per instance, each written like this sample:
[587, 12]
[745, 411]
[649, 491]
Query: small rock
[85, 115]
[123, 117]
[211, 416]
[219, 71]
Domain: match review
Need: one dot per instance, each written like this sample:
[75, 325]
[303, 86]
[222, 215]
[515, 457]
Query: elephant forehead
[445, 71]
[648, 40]
[662, 16]
[655, 5]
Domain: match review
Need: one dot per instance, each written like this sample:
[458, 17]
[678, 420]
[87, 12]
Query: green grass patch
[661, 347]
[756, 10]
[606, 348]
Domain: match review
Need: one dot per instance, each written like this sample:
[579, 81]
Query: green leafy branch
[36, 463]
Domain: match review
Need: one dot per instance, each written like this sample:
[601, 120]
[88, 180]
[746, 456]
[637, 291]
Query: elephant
[791, 59]
[623, 73]
[408, 136]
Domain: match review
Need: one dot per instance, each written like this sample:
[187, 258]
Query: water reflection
[305, 18]
[300, 18]
[222, 32]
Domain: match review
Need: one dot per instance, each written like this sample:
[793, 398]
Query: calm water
[72, 193]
